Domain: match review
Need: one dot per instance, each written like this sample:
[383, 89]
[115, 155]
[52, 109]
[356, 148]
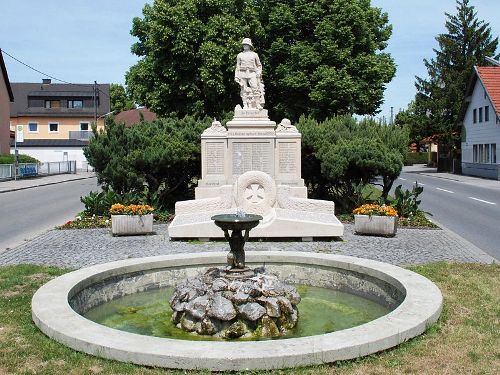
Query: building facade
[481, 125]
[6, 97]
[57, 118]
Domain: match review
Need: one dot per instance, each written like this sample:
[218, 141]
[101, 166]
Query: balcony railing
[81, 135]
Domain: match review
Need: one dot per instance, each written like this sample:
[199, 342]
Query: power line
[48, 75]
[36, 70]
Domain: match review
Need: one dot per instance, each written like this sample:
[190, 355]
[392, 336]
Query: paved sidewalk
[469, 180]
[85, 247]
[27, 183]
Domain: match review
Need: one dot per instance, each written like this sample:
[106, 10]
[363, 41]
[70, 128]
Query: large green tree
[320, 58]
[119, 100]
[414, 118]
[466, 42]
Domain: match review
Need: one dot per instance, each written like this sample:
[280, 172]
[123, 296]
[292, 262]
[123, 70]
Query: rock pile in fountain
[217, 304]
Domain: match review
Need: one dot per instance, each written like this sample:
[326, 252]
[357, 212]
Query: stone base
[280, 223]
[286, 211]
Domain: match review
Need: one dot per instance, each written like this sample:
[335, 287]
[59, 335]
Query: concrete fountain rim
[54, 316]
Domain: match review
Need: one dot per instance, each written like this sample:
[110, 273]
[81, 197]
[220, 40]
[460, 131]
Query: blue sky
[86, 40]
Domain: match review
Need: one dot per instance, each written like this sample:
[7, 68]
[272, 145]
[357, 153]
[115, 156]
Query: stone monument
[255, 166]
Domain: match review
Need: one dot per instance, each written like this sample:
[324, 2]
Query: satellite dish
[493, 61]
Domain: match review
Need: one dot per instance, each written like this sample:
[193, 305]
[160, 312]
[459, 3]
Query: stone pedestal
[251, 142]
[255, 166]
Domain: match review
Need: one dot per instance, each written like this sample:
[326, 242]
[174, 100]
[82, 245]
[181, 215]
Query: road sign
[19, 133]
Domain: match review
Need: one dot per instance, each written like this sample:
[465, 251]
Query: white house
[481, 124]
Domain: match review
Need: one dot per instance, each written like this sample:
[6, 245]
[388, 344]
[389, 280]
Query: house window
[52, 104]
[480, 114]
[75, 103]
[53, 127]
[487, 113]
[486, 153]
[32, 127]
[474, 154]
[480, 159]
[474, 112]
[84, 126]
[494, 153]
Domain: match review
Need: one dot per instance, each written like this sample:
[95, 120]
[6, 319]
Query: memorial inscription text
[287, 158]
[252, 156]
[214, 158]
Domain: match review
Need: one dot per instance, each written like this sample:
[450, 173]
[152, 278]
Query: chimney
[46, 81]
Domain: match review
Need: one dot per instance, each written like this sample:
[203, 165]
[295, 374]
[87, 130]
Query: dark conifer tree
[466, 42]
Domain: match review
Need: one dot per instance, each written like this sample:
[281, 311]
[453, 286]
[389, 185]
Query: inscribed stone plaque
[252, 156]
[287, 159]
[214, 158]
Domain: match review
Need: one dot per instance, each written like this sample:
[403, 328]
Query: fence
[6, 171]
[86, 167]
[24, 170]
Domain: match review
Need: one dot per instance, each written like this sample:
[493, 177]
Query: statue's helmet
[247, 41]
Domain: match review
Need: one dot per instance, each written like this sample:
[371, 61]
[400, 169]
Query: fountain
[235, 301]
[230, 313]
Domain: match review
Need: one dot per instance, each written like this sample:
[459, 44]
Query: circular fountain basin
[415, 302]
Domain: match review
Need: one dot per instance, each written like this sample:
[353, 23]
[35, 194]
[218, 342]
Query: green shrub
[10, 159]
[159, 160]
[406, 202]
[99, 203]
[341, 156]
[416, 158]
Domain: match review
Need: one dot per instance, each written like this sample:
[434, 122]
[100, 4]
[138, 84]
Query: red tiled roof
[490, 76]
[132, 116]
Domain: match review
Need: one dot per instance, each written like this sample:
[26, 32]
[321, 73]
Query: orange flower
[375, 209]
[132, 209]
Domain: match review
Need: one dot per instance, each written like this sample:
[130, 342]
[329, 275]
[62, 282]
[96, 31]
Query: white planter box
[377, 225]
[123, 225]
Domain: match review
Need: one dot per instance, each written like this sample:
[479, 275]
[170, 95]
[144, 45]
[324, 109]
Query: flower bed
[376, 220]
[133, 219]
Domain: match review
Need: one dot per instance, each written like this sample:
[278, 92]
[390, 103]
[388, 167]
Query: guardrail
[81, 134]
[24, 170]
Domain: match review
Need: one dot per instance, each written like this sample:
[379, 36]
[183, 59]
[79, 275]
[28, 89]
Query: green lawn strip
[464, 340]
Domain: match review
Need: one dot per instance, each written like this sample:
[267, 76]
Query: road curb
[468, 245]
[45, 184]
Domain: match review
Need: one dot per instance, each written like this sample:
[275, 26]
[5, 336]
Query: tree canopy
[119, 100]
[320, 58]
[415, 119]
[466, 42]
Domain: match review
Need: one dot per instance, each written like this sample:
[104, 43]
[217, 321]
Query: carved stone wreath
[255, 192]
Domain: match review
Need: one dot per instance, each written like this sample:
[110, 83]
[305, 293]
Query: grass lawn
[465, 340]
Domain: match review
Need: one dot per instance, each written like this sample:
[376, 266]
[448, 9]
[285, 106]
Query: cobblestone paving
[85, 247]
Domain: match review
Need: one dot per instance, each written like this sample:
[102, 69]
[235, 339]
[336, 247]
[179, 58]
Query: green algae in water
[320, 311]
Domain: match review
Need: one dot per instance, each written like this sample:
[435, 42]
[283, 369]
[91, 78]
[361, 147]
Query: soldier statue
[248, 75]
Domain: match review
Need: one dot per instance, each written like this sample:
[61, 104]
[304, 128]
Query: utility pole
[95, 103]
[392, 115]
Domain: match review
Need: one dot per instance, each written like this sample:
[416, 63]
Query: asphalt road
[471, 211]
[27, 213]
